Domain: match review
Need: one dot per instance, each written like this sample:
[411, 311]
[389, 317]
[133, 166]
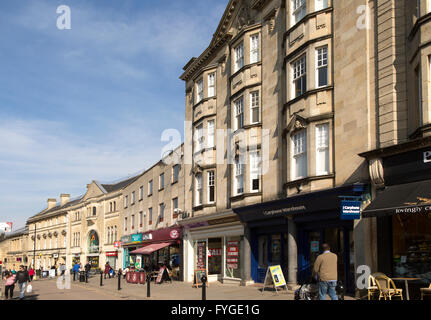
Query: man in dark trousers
[325, 268]
[22, 278]
[87, 269]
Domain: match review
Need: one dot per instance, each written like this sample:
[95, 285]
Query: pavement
[46, 289]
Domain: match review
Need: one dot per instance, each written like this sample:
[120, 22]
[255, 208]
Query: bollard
[340, 290]
[86, 277]
[101, 278]
[74, 275]
[204, 287]
[119, 282]
[148, 285]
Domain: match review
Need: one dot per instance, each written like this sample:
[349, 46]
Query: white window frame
[239, 113]
[125, 224]
[239, 56]
[141, 192]
[126, 201]
[299, 152]
[174, 206]
[322, 63]
[299, 70]
[199, 90]
[198, 189]
[132, 222]
[210, 183]
[133, 197]
[255, 169]
[199, 137]
[162, 208]
[150, 216]
[299, 11]
[254, 48]
[254, 104]
[322, 149]
[238, 176]
[211, 84]
[320, 5]
[211, 133]
[177, 174]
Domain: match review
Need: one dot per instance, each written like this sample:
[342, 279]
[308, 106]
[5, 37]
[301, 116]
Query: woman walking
[9, 285]
[31, 273]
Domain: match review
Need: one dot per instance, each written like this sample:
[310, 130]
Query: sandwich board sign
[199, 273]
[274, 273]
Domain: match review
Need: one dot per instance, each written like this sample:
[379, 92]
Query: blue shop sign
[350, 210]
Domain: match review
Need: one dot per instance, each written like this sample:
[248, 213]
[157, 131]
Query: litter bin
[134, 278]
[82, 276]
[128, 277]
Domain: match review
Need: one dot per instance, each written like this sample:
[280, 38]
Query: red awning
[149, 249]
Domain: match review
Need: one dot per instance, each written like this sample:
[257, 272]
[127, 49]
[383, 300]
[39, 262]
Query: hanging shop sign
[350, 210]
[55, 255]
[112, 254]
[117, 244]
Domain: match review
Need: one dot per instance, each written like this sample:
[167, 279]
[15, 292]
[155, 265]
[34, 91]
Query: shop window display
[412, 245]
[233, 259]
[214, 256]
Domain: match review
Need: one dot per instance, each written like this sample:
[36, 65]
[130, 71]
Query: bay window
[198, 190]
[239, 57]
[211, 85]
[322, 66]
[239, 113]
[299, 10]
[299, 155]
[254, 48]
[254, 171]
[322, 149]
[239, 176]
[254, 107]
[299, 77]
[211, 132]
[211, 187]
[199, 90]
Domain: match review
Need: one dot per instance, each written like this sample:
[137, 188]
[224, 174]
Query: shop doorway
[340, 239]
[271, 251]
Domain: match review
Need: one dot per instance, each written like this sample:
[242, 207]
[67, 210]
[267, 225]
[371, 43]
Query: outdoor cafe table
[406, 281]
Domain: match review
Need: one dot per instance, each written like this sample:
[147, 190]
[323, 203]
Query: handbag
[29, 288]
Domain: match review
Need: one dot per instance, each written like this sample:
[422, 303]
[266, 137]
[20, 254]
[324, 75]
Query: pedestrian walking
[9, 285]
[107, 270]
[87, 269]
[62, 270]
[325, 269]
[22, 279]
[31, 274]
[76, 268]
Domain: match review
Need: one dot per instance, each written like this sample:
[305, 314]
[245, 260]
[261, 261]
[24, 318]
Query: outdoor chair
[372, 287]
[387, 288]
[425, 291]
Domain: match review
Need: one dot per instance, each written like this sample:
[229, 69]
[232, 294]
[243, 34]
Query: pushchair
[308, 291]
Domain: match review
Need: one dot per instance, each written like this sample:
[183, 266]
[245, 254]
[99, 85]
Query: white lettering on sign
[427, 157]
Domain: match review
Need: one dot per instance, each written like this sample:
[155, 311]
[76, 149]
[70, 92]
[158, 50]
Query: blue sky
[90, 103]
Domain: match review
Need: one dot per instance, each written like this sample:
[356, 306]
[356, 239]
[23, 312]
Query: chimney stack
[64, 199]
[52, 203]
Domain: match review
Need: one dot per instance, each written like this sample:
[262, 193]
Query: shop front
[290, 232]
[161, 247]
[402, 209]
[130, 243]
[93, 250]
[112, 258]
[214, 245]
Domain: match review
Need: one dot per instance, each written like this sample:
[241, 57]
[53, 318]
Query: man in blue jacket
[75, 270]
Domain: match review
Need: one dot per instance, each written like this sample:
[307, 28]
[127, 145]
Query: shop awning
[411, 198]
[149, 249]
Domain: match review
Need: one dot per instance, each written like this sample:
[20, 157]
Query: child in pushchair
[308, 291]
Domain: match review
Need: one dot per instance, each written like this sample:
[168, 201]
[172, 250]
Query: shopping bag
[29, 288]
